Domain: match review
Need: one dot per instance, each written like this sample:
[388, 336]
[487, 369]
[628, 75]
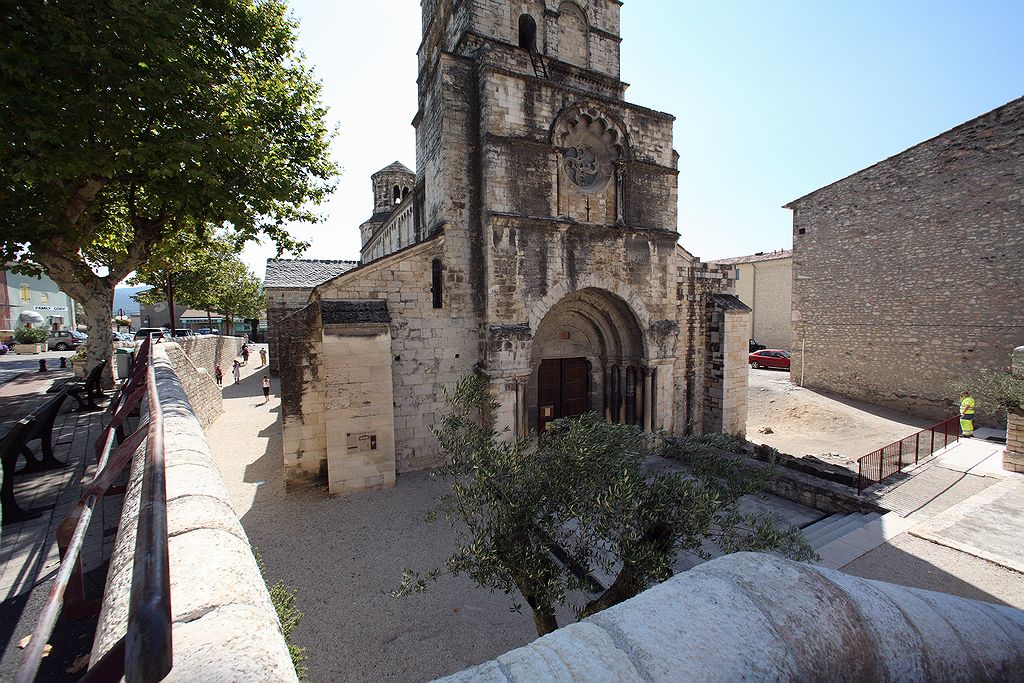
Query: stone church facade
[535, 245]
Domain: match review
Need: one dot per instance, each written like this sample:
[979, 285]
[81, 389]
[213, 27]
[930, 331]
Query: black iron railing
[878, 465]
[144, 652]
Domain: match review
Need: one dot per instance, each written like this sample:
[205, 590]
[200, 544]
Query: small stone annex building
[910, 273]
[535, 244]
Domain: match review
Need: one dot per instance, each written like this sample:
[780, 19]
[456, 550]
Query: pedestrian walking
[220, 376]
[245, 354]
[263, 357]
[236, 371]
[967, 414]
[266, 389]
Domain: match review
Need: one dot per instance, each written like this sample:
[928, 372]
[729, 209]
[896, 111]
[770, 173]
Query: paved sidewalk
[29, 557]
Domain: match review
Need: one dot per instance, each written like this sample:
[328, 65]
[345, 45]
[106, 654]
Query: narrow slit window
[437, 283]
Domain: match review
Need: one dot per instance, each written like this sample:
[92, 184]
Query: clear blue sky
[772, 99]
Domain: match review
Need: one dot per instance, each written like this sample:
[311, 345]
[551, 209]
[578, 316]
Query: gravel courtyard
[345, 554]
[805, 422]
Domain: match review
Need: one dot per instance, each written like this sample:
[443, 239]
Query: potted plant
[30, 339]
[78, 362]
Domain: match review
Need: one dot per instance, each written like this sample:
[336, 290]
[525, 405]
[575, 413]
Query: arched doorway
[588, 355]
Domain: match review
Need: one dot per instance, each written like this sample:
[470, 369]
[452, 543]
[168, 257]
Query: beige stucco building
[764, 282]
[535, 245]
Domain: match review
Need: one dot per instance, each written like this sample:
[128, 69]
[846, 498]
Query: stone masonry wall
[224, 627]
[735, 373]
[431, 348]
[200, 385]
[209, 351]
[752, 616]
[281, 302]
[908, 274]
[304, 429]
[359, 408]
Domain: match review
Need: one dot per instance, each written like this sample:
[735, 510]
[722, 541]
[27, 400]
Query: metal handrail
[144, 653]
[892, 458]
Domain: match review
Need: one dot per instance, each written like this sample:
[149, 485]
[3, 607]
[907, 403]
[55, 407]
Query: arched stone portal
[587, 354]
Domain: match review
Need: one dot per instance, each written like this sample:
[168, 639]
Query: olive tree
[130, 124]
[543, 517]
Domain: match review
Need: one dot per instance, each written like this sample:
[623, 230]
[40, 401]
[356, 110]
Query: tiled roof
[396, 167]
[755, 258]
[728, 302]
[303, 272]
[347, 312]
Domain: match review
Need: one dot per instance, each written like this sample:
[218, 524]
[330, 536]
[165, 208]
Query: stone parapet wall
[751, 616]
[209, 351]
[199, 384]
[224, 626]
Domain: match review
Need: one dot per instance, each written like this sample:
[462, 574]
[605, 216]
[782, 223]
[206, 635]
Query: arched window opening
[398, 194]
[437, 282]
[527, 33]
[405, 193]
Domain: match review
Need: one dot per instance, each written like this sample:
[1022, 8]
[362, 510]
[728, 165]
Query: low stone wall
[209, 351]
[1013, 455]
[751, 616]
[224, 625]
[199, 384]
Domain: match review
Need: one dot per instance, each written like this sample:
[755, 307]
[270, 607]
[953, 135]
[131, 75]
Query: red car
[769, 358]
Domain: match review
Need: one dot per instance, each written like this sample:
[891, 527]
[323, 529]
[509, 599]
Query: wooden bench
[36, 425]
[90, 388]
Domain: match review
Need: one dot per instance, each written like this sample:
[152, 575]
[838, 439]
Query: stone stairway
[841, 538]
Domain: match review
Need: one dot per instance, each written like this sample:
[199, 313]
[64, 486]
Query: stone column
[645, 393]
[1013, 455]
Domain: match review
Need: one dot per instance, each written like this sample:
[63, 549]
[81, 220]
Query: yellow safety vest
[967, 406]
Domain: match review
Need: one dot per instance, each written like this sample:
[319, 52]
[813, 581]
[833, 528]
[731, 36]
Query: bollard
[63, 363]
[42, 365]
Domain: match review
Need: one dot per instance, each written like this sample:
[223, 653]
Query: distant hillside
[123, 299]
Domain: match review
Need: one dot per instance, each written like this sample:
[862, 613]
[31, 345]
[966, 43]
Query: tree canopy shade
[127, 124]
[544, 518]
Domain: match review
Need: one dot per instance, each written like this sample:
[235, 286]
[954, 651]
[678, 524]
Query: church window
[398, 195]
[527, 33]
[405, 193]
[437, 283]
[26, 294]
[44, 299]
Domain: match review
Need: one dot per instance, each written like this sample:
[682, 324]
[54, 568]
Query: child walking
[266, 389]
[220, 376]
[236, 371]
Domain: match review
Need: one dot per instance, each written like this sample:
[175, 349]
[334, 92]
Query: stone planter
[25, 349]
[1013, 455]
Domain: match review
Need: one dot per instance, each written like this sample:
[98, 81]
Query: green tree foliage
[283, 597]
[31, 335]
[995, 391]
[541, 518]
[130, 124]
[206, 274]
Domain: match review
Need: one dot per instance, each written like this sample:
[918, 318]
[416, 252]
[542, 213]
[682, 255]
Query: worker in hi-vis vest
[967, 414]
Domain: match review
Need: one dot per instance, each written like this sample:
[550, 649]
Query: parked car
[207, 330]
[64, 340]
[769, 358]
[144, 332]
[184, 333]
[754, 346]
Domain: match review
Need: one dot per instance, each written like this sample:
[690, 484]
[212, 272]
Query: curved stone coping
[224, 624]
[752, 616]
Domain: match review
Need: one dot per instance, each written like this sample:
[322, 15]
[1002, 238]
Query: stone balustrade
[224, 627]
[752, 616]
